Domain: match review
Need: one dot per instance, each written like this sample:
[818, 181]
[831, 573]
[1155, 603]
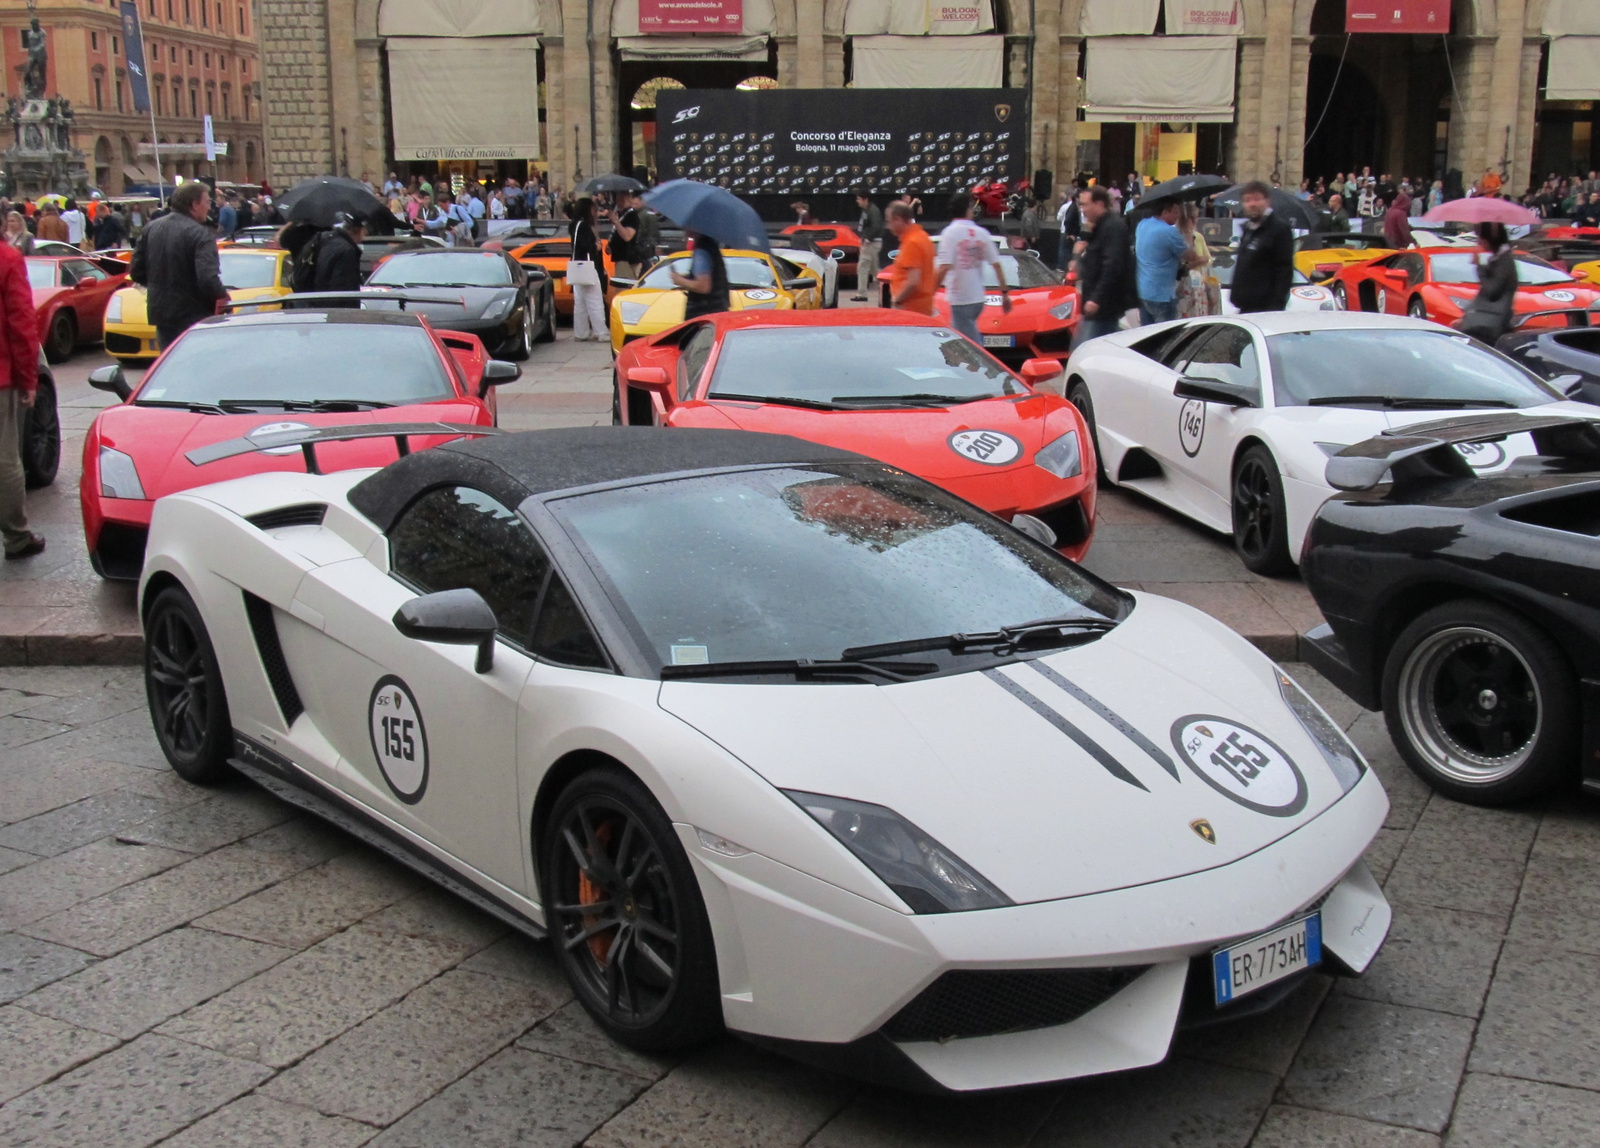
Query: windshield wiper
[919, 400]
[1393, 402]
[802, 668]
[182, 405]
[1043, 633]
[782, 400]
[305, 404]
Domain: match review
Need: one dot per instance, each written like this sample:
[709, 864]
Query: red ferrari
[1044, 309]
[1438, 283]
[70, 293]
[236, 375]
[899, 387]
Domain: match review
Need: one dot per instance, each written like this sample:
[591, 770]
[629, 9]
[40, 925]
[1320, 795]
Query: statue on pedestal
[33, 80]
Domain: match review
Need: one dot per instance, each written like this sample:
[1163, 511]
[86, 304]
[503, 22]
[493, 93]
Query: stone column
[1244, 153]
[344, 92]
[809, 66]
[1064, 137]
[569, 149]
[1294, 131]
[1505, 89]
[373, 109]
[1522, 172]
[1272, 150]
[295, 101]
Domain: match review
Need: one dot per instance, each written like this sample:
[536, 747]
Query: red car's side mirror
[650, 379]
[1036, 371]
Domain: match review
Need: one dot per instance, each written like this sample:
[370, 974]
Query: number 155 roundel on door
[398, 739]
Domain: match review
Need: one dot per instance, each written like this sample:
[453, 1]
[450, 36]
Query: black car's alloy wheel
[1260, 520]
[625, 915]
[188, 705]
[41, 438]
[1481, 704]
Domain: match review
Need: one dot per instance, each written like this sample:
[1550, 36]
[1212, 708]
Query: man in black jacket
[1263, 272]
[338, 257]
[176, 261]
[1105, 265]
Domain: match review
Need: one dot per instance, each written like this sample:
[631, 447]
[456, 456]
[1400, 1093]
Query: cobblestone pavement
[55, 610]
[198, 967]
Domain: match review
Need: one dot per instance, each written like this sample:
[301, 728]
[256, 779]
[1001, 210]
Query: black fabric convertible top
[510, 467]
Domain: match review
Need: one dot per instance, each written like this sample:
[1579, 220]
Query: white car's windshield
[888, 559]
[1404, 369]
[858, 367]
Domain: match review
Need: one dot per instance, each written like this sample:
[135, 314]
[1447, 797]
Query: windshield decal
[1115, 720]
[1084, 742]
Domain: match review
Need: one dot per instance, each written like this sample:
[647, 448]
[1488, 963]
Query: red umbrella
[1483, 209]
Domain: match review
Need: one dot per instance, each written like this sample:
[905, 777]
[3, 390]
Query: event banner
[1416, 17]
[812, 141]
[677, 17]
[133, 43]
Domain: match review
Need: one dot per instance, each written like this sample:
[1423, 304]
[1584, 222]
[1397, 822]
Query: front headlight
[114, 309]
[496, 310]
[1064, 310]
[1343, 758]
[119, 478]
[922, 873]
[631, 313]
[1063, 457]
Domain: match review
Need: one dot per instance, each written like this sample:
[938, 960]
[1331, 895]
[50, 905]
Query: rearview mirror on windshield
[111, 379]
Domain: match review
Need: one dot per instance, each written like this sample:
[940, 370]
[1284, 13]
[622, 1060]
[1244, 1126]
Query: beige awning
[138, 175]
[1160, 78]
[1204, 17]
[928, 61]
[933, 18]
[464, 98]
[751, 48]
[1574, 69]
[1118, 17]
[459, 18]
[1571, 18]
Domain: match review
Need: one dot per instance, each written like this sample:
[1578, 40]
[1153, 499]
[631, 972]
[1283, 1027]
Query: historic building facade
[202, 58]
[1253, 88]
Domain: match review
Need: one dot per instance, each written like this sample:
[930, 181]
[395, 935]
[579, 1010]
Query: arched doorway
[636, 145]
[642, 120]
[1355, 130]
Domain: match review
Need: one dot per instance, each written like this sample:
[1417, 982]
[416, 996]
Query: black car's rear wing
[1427, 450]
[308, 438]
[1575, 317]
[315, 299]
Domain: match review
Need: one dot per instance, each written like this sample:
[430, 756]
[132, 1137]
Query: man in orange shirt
[911, 276]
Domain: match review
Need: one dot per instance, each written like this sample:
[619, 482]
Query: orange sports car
[1438, 283]
[551, 256]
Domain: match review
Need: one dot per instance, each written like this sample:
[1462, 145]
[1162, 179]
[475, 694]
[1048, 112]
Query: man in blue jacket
[1160, 250]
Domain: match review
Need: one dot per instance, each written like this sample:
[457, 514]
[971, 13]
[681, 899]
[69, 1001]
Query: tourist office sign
[1412, 17]
[810, 142]
[682, 17]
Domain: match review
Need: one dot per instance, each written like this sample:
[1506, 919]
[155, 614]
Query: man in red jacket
[19, 379]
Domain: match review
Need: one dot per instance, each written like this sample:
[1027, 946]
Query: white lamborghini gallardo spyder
[771, 736]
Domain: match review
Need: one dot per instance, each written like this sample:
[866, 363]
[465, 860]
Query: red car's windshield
[1463, 268]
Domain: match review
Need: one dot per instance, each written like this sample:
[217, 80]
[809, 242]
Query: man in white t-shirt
[964, 250]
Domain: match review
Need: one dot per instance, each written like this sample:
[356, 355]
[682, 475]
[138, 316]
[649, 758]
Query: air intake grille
[303, 514]
[985, 1002]
[265, 629]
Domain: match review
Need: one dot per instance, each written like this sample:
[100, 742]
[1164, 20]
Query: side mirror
[81, 283]
[1036, 371]
[1209, 392]
[801, 284]
[496, 373]
[836, 255]
[651, 379]
[1034, 528]
[1569, 385]
[625, 283]
[111, 379]
[452, 617]
[536, 274]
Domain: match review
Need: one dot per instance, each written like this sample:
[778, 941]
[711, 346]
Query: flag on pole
[211, 143]
[134, 42]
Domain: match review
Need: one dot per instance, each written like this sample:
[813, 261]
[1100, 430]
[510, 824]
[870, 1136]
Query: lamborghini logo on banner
[1002, 112]
[1203, 827]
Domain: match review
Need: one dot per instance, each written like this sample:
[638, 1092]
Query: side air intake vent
[265, 629]
[303, 514]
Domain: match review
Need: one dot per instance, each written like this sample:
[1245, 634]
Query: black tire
[1482, 704]
[1078, 395]
[41, 438]
[547, 331]
[641, 959]
[1260, 519]
[616, 401]
[63, 337]
[1341, 296]
[1417, 309]
[518, 349]
[183, 684]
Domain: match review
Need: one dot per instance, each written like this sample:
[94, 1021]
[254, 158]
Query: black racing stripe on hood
[1086, 743]
[1115, 720]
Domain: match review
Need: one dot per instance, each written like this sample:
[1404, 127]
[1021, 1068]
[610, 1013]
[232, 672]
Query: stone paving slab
[54, 610]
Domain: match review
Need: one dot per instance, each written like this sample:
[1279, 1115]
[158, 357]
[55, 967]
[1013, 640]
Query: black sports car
[508, 306]
[1466, 606]
[1571, 354]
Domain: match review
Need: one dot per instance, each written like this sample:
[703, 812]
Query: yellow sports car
[247, 272]
[1321, 257]
[756, 282]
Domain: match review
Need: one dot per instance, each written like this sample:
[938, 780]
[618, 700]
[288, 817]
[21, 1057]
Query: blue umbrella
[712, 211]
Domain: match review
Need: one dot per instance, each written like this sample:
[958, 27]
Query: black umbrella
[712, 211]
[1183, 189]
[319, 202]
[599, 183]
[1296, 212]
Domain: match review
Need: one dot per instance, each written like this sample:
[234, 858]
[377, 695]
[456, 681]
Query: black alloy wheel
[188, 706]
[40, 440]
[625, 915]
[1482, 704]
[1078, 395]
[547, 309]
[63, 337]
[521, 346]
[1260, 520]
